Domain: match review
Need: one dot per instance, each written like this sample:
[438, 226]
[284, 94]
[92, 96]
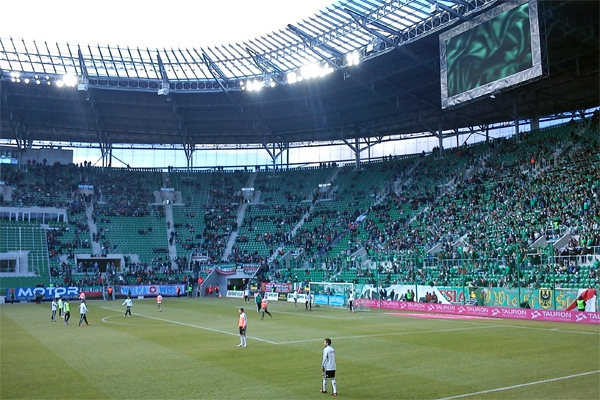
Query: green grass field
[190, 351]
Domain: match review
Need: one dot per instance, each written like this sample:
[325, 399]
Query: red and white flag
[589, 295]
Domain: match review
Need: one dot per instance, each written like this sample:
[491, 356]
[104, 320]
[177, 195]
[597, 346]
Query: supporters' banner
[454, 295]
[250, 270]
[509, 297]
[151, 290]
[226, 271]
[49, 293]
[589, 296]
[92, 292]
[397, 292]
[545, 298]
[483, 311]
[282, 287]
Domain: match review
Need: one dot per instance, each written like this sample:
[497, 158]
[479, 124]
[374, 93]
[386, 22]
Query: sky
[152, 24]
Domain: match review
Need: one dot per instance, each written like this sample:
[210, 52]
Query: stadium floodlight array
[332, 38]
[353, 58]
[69, 81]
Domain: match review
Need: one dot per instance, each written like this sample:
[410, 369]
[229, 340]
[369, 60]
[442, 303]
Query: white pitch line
[390, 334]
[310, 314]
[106, 320]
[520, 385]
[195, 326]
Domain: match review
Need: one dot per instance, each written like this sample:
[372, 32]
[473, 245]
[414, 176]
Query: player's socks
[334, 385]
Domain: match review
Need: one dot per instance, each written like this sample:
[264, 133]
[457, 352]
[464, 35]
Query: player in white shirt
[82, 311]
[351, 302]
[308, 303]
[54, 308]
[60, 307]
[328, 367]
[129, 303]
[159, 302]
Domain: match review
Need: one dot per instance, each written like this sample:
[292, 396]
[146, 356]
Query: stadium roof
[204, 95]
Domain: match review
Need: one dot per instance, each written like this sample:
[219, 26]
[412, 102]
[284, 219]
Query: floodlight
[254, 86]
[309, 71]
[37, 81]
[70, 80]
[325, 69]
[26, 80]
[353, 58]
[59, 83]
[164, 89]
[292, 77]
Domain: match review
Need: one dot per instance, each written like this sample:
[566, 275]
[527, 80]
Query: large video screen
[495, 50]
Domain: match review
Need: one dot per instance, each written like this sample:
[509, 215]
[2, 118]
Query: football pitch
[189, 350]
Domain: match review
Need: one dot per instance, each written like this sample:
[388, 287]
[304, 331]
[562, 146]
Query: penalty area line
[560, 378]
[196, 326]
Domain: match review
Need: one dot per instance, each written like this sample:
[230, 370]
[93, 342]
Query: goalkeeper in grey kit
[328, 367]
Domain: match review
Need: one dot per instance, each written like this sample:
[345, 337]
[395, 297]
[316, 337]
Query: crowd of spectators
[485, 206]
[490, 215]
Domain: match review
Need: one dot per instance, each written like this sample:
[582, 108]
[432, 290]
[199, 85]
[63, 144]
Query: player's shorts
[242, 330]
[330, 374]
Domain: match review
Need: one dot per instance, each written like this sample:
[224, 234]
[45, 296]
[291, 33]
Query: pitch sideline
[560, 378]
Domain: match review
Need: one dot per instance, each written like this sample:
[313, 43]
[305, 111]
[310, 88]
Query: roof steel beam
[362, 21]
[316, 47]
[215, 71]
[449, 9]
